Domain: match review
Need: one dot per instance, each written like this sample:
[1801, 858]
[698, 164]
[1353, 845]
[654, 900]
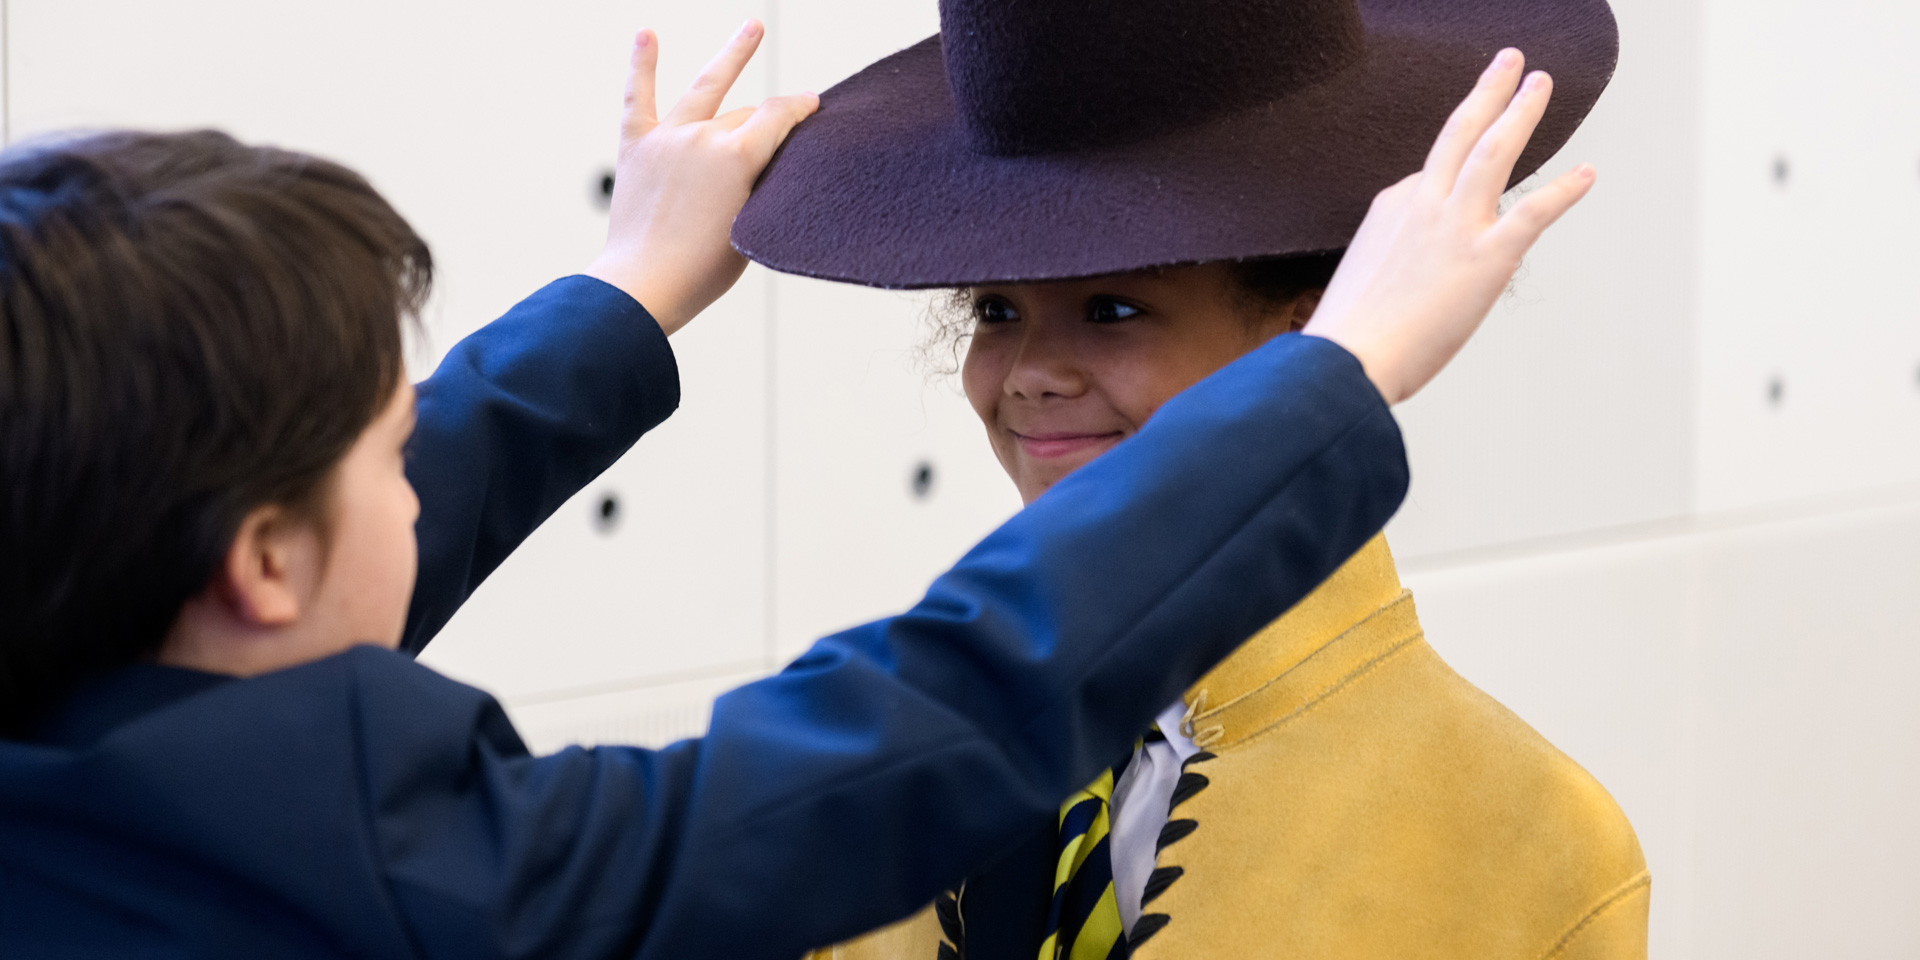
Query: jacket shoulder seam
[1352, 677]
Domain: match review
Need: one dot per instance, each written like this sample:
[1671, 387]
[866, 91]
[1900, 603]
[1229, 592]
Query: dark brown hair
[1267, 285]
[190, 328]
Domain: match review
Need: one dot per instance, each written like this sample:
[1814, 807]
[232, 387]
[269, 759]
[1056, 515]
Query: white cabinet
[1810, 328]
[1568, 412]
[882, 475]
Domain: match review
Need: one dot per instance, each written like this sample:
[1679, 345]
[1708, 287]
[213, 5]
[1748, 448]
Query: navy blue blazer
[365, 806]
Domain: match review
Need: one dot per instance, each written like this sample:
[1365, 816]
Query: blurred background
[1666, 507]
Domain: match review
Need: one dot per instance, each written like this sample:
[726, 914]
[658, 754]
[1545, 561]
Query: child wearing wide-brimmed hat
[1124, 199]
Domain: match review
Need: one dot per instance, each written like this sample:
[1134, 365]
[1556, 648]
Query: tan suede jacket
[1365, 801]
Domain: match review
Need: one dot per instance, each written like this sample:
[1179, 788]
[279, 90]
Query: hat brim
[881, 188]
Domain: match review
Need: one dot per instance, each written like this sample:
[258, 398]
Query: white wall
[1700, 590]
[1742, 683]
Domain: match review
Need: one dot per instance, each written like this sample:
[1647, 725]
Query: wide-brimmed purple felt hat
[1053, 139]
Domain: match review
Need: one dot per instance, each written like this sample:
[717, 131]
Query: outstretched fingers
[703, 98]
[1470, 121]
[1490, 167]
[1521, 227]
[642, 113]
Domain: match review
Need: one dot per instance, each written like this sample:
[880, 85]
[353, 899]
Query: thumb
[767, 129]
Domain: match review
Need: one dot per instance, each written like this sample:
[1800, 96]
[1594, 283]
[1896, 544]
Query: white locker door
[1810, 328]
[884, 477]
[490, 124]
[1567, 412]
[882, 474]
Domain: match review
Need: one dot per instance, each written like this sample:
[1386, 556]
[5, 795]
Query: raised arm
[890, 760]
[518, 418]
[526, 412]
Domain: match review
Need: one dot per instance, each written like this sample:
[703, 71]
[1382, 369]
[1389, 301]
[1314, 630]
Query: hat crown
[1050, 76]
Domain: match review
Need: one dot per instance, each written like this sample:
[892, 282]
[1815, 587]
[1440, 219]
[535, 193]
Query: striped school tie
[1083, 922]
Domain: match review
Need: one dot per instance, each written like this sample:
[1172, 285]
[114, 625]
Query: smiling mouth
[1047, 446]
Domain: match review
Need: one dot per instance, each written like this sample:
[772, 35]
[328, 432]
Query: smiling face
[1061, 372]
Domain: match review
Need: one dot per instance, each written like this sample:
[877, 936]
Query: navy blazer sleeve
[892, 759]
[365, 806]
[519, 417]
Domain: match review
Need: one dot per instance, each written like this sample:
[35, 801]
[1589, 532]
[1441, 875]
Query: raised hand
[681, 180]
[1435, 252]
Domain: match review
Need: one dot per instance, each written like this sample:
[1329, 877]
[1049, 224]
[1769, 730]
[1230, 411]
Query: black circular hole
[603, 189]
[1782, 170]
[1776, 390]
[923, 480]
[606, 514]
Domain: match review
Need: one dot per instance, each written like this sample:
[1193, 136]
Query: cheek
[1135, 382]
[983, 372]
[400, 552]
[374, 558]
[1156, 369]
[983, 375]
[404, 550]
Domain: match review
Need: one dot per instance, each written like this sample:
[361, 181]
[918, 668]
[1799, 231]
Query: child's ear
[269, 568]
[1302, 309]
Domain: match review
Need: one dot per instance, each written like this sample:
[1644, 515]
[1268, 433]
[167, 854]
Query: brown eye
[1109, 310]
[992, 310]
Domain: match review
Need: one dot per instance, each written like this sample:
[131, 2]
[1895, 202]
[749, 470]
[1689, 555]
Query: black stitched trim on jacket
[1145, 927]
[1158, 881]
[1190, 783]
[953, 925]
[1174, 832]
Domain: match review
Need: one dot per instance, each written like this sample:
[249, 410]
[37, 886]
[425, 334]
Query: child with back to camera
[227, 518]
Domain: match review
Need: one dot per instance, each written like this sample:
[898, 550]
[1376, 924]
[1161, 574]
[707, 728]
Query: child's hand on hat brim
[681, 180]
[1435, 252]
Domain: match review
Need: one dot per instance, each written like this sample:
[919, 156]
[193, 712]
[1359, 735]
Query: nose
[1046, 365]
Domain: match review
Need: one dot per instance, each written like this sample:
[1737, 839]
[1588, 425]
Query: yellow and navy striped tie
[1084, 921]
